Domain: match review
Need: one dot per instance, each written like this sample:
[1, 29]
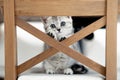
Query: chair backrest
[61, 7]
[14, 8]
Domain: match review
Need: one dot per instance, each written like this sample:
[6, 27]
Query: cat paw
[79, 69]
[51, 34]
[61, 39]
[68, 71]
[50, 71]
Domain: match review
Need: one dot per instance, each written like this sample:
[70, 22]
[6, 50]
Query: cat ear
[44, 19]
[69, 17]
[54, 17]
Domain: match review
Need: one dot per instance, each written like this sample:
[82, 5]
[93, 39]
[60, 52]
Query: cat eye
[63, 23]
[52, 26]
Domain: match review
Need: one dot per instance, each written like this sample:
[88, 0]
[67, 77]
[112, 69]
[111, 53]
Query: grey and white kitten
[60, 28]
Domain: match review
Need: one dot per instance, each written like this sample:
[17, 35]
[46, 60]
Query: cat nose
[58, 30]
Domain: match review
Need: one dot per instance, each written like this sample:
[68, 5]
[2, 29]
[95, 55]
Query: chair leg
[10, 40]
[111, 36]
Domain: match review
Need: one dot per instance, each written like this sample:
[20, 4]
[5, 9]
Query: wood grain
[1, 4]
[10, 40]
[61, 46]
[60, 7]
[111, 39]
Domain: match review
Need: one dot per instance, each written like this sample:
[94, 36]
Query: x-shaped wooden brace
[61, 46]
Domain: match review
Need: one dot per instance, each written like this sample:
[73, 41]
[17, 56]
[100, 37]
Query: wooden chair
[14, 8]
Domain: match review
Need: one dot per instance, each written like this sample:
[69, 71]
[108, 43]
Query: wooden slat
[1, 4]
[60, 7]
[118, 6]
[10, 40]
[86, 31]
[111, 45]
[37, 59]
[61, 47]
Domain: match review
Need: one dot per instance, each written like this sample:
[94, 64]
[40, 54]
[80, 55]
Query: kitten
[60, 28]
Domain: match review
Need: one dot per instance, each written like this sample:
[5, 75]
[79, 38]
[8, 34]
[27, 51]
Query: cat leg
[51, 33]
[68, 71]
[79, 69]
[62, 38]
[49, 68]
[76, 47]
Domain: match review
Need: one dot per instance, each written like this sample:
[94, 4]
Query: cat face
[58, 23]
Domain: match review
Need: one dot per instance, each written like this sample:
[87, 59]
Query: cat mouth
[59, 32]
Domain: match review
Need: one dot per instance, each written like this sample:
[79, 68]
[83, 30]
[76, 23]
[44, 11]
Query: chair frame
[14, 8]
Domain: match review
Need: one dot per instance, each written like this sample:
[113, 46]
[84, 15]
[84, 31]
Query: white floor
[28, 46]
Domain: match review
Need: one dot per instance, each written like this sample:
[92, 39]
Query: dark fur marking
[79, 69]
